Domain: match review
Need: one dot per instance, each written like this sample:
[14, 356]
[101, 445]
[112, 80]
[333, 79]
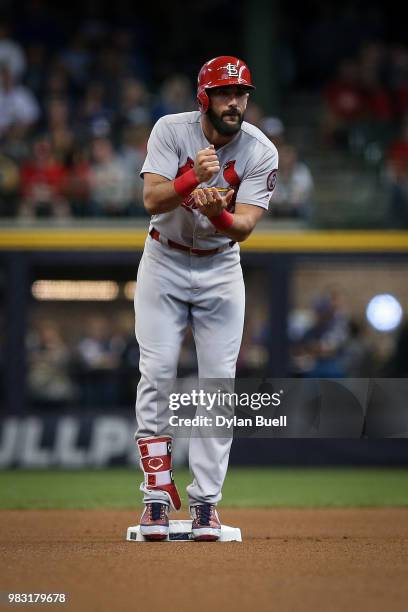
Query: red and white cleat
[206, 525]
[154, 522]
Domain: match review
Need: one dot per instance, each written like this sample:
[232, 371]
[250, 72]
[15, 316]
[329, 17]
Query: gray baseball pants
[175, 289]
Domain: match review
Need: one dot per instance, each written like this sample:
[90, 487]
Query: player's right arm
[163, 189]
[161, 194]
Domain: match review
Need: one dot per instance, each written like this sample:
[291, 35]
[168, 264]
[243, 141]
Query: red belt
[155, 234]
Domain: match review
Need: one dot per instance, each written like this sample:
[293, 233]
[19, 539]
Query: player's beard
[223, 128]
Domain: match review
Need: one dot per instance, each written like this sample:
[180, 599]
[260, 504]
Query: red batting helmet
[219, 72]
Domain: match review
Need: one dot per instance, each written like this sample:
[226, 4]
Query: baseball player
[208, 178]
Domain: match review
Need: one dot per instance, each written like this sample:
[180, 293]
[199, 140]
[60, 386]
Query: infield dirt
[289, 560]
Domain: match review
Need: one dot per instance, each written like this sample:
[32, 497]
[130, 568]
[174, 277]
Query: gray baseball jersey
[248, 164]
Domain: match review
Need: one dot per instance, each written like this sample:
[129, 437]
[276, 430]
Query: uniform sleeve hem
[252, 203]
[154, 171]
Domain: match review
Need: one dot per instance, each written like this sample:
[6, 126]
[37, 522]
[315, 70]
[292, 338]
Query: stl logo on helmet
[232, 70]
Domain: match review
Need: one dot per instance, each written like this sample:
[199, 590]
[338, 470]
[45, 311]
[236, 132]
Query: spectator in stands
[134, 105]
[58, 126]
[344, 104]
[319, 353]
[43, 182]
[49, 362]
[11, 53]
[274, 129]
[9, 185]
[57, 84]
[94, 113]
[78, 182]
[76, 60]
[254, 114]
[396, 176]
[292, 197]
[18, 106]
[109, 71]
[98, 358]
[398, 78]
[374, 126]
[358, 106]
[36, 72]
[111, 182]
[133, 153]
[176, 96]
[377, 101]
[372, 60]
[15, 145]
[128, 41]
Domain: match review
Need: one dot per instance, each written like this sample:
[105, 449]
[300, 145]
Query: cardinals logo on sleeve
[271, 180]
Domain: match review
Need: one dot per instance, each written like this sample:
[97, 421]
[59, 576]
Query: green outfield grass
[244, 488]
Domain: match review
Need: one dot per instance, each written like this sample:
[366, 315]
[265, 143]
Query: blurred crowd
[326, 342]
[366, 114]
[97, 366]
[368, 92]
[77, 104]
[74, 123]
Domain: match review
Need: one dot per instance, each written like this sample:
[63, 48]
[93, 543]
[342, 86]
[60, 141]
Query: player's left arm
[241, 223]
[245, 217]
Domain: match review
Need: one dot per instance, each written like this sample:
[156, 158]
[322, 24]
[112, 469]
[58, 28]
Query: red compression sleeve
[223, 221]
[186, 183]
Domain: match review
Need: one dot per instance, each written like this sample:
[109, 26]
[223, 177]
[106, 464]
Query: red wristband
[186, 183]
[223, 221]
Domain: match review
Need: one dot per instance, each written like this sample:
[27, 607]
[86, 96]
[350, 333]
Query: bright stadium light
[129, 290]
[64, 290]
[384, 312]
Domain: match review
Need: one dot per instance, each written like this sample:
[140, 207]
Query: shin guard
[155, 461]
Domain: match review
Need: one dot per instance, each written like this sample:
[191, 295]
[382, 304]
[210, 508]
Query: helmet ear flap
[203, 100]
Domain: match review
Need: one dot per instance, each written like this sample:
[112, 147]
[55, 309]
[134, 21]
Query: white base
[180, 531]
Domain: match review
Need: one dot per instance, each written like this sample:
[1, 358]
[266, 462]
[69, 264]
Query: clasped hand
[210, 202]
